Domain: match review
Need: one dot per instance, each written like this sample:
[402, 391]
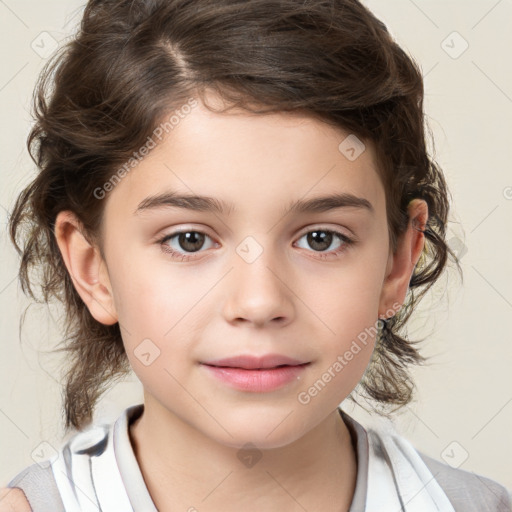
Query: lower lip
[257, 381]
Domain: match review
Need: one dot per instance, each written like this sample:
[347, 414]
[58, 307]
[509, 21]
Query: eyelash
[347, 242]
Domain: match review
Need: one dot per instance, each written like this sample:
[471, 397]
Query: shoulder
[13, 499]
[38, 486]
[33, 488]
[467, 490]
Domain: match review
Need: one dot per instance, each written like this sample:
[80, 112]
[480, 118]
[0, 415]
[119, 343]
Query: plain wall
[463, 409]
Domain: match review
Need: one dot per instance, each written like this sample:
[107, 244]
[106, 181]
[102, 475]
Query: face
[192, 283]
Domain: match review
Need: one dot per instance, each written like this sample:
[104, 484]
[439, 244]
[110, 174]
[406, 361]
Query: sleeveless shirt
[96, 470]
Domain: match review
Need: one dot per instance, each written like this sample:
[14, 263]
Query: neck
[184, 469]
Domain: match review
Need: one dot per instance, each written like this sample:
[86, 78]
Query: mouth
[250, 362]
[256, 375]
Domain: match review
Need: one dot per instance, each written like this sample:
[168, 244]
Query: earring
[385, 317]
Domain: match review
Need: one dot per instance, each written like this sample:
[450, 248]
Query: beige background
[463, 411]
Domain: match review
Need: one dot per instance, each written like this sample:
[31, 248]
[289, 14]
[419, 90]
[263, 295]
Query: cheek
[155, 314]
[348, 296]
[143, 296]
[346, 304]
[155, 346]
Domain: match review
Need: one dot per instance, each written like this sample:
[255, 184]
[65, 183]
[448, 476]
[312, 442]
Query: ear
[400, 266]
[86, 267]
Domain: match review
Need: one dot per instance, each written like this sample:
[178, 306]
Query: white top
[97, 470]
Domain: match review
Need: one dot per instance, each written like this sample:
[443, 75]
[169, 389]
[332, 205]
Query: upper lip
[250, 362]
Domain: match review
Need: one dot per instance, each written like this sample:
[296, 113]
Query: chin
[248, 443]
[267, 434]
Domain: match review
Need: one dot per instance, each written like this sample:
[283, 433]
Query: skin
[13, 500]
[289, 300]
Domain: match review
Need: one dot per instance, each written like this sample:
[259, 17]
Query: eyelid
[303, 231]
[347, 241]
[181, 228]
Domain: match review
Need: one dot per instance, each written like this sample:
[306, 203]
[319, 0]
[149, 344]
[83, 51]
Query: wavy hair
[132, 62]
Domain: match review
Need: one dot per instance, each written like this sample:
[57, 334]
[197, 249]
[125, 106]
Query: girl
[235, 201]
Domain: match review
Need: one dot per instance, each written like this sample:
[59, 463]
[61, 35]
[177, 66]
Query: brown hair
[132, 62]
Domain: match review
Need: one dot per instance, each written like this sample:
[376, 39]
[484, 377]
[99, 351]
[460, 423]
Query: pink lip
[256, 374]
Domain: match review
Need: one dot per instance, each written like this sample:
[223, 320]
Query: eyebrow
[198, 203]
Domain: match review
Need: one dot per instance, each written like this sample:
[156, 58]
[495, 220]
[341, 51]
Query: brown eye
[184, 243]
[191, 241]
[319, 240]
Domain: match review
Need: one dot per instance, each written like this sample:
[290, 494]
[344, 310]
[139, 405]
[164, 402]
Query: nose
[259, 292]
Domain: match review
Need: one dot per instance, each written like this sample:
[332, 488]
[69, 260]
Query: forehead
[254, 161]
